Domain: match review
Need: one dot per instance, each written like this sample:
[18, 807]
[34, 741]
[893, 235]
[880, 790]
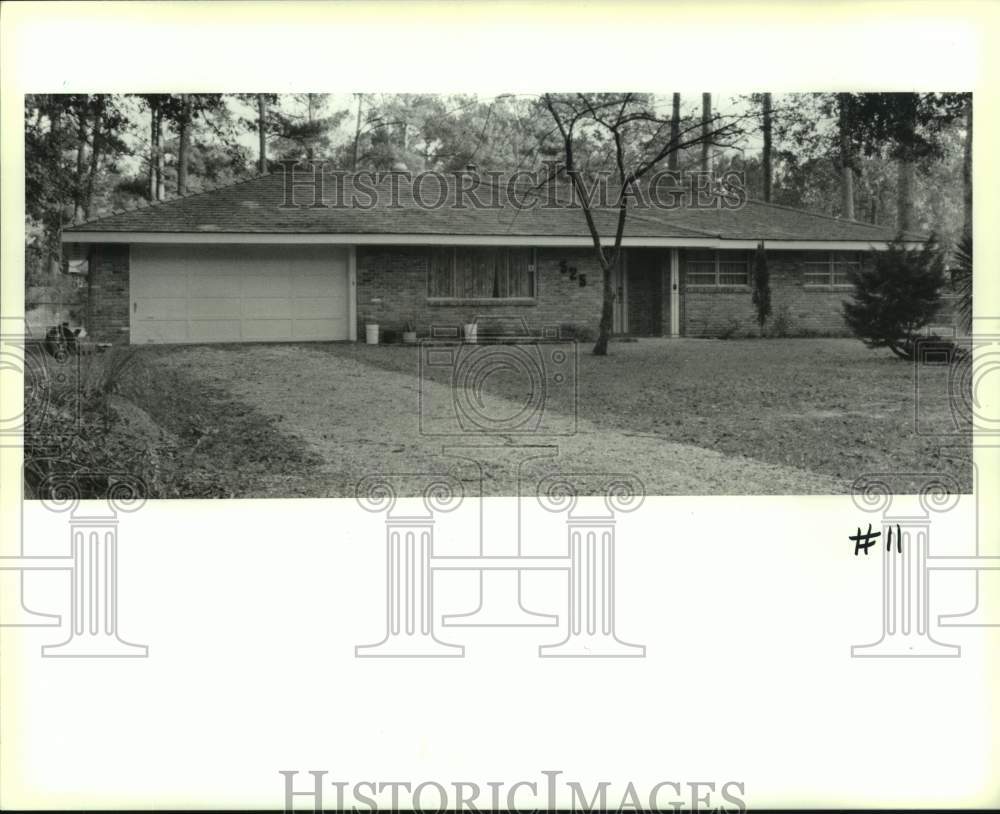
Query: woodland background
[896, 159]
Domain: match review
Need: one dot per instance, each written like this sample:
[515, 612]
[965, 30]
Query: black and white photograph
[269, 295]
[442, 405]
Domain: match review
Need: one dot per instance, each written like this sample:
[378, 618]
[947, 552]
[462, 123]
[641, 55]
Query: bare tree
[640, 142]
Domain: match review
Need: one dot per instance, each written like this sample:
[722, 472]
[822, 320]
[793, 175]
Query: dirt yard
[686, 417]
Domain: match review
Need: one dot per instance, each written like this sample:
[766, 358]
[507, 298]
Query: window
[718, 268]
[488, 274]
[832, 269]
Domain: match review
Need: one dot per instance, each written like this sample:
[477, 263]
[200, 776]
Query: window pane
[817, 272]
[840, 271]
[439, 277]
[701, 268]
[734, 273]
[474, 273]
[520, 280]
[843, 262]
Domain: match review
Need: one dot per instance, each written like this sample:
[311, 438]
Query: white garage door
[199, 293]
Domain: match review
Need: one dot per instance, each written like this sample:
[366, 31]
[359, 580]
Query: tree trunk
[675, 130]
[81, 156]
[706, 116]
[357, 136]
[183, 144]
[95, 156]
[310, 150]
[261, 133]
[53, 228]
[904, 170]
[161, 180]
[846, 159]
[967, 170]
[766, 159]
[607, 309]
[154, 147]
[904, 194]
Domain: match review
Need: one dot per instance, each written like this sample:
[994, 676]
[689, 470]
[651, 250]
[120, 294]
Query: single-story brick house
[239, 263]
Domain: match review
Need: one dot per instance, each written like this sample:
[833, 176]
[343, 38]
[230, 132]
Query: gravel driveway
[362, 419]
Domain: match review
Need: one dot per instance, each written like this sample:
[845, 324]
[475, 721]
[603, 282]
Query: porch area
[647, 301]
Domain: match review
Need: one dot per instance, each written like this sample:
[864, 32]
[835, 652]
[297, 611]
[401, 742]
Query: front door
[647, 297]
[620, 322]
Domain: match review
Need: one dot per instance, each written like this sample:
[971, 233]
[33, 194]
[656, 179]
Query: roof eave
[403, 239]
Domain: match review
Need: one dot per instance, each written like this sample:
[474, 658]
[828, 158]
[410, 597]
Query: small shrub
[761, 295]
[730, 330]
[897, 297]
[781, 323]
[577, 333]
[961, 280]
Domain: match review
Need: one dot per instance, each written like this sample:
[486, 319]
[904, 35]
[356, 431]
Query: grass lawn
[826, 405]
[260, 420]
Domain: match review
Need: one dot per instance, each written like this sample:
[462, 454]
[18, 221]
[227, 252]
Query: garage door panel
[215, 282]
[215, 308]
[197, 293]
[214, 330]
[157, 308]
[316, 284]
[160, 331]
[271, 308]
[262, 284]
[159, 283]
[316, 308]
[267, 330]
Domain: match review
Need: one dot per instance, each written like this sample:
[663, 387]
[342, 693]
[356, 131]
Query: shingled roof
[255, 207]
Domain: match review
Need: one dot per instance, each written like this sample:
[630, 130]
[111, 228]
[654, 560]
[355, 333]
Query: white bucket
[371, 334]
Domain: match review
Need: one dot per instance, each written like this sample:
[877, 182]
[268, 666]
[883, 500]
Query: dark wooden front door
[644, 295]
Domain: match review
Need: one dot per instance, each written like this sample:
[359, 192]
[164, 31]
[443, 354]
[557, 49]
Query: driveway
[363, 419]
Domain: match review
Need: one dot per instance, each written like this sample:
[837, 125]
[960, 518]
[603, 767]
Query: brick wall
[108, 293]
[392, 288]
[810, 310]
